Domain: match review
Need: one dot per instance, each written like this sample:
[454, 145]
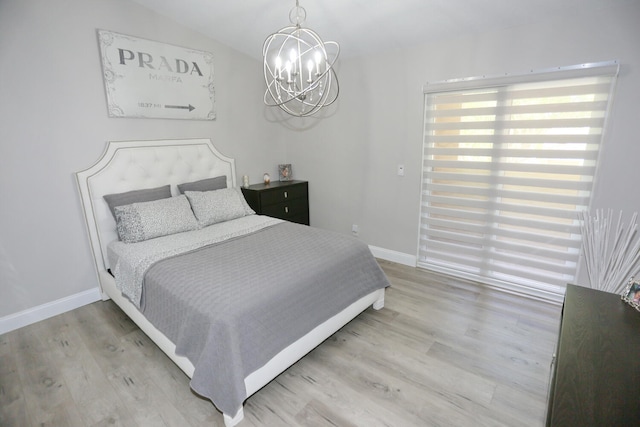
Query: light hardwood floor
[443, 352]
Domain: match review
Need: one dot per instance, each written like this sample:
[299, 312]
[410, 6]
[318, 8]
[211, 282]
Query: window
[508, 164]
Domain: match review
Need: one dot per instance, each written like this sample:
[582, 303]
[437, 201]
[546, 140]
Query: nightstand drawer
[287, 209]
[283, 195]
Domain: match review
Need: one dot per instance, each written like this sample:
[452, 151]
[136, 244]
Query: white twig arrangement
[612, 254]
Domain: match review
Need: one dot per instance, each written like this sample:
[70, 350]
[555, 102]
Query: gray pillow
[147, 220]
[212, 207]
[209, 184]
[136, 196]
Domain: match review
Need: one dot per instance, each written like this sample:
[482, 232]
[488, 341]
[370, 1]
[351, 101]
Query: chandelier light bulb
[278, 68]
[318, 58]
[292, 58]
[310, 68]
[287, 67]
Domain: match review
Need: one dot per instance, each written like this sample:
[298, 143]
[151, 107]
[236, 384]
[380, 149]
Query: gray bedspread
[230, 307]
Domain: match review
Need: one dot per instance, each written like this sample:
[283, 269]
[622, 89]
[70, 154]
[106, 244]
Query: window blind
[507, 165]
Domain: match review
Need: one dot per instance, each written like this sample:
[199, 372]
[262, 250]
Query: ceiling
[363, 27]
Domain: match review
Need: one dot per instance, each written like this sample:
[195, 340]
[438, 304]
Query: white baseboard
[394, 256]
[45, 311]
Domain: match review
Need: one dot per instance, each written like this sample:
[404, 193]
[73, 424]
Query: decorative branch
[611, 255]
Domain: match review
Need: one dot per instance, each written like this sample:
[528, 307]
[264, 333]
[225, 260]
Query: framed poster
[148, 79]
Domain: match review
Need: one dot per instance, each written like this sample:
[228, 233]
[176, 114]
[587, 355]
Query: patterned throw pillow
[147, 220]
[212, 207]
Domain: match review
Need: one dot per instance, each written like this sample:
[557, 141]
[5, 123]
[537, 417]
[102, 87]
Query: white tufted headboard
[133, 165]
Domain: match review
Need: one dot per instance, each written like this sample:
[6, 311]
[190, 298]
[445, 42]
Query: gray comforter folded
[230, 307]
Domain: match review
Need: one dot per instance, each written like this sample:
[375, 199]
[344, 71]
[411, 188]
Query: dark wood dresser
[287, 200]
[596, 373]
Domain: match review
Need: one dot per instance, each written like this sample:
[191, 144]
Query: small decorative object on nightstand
[285, 172]
[287, 200]
[631, 293]
[266, 178]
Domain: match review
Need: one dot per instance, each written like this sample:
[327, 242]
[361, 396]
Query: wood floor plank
[125, 358]
[442, 352]
[166, 376]
[48, 400]
[384, 387]
[520, 404]
[328, 386]
[5, 344]
[12, 400]
[87, 383]
[413, 369]
[495, 367]
[354, 399]
[277, 406]
[317, 414]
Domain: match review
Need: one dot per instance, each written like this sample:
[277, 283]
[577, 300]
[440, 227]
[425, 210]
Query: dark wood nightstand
[596, 371]
[287, 200]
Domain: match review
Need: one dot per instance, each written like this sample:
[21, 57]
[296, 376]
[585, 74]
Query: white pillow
[143, 221]
[212, 207]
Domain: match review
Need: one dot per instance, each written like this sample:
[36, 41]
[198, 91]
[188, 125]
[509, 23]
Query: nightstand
[596, 370]
[288, 200]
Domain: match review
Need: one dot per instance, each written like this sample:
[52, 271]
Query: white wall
[351, 159]
[54, 122]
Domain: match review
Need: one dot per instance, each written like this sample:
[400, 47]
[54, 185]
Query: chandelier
[298, 68]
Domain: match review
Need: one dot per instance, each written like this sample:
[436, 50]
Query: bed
[169, 281]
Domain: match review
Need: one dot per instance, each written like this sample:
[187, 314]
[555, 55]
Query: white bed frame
[132, 165]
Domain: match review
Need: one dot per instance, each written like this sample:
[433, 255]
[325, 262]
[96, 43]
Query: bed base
[131, 165]
[274, 367]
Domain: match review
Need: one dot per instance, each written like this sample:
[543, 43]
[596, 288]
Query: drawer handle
[286, 195]
[286, 209]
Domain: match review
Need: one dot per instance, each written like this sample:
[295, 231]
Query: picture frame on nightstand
[631, 294]
[284, 172]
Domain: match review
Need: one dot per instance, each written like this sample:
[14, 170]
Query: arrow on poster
[181, 107]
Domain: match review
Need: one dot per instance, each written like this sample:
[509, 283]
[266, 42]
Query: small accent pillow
[136, 196]
[147, 220]
[209, 184]
[212, 207]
